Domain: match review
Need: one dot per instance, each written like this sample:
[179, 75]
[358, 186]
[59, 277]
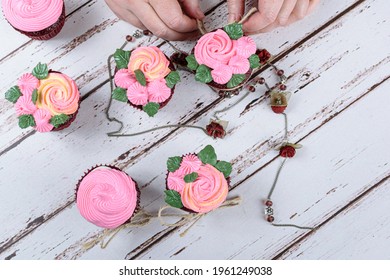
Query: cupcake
[45, 100]
[145, 78]
[224, 59]
[37, 19]
[107, 197]
[197, 183]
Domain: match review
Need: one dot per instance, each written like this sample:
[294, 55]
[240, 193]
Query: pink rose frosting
[25, 106]
[158, 91]
[27, 83]
[222, 74]
[207, 192]
[32, 15]
[215, 48]
[42, 118]
[175, 181]
[151, 61]
[239, 64]
[189, 164]
[246, 46]
[107, 197]
[137, 94]
[124, 79]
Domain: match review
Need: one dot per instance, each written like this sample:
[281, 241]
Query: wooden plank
[158, 158]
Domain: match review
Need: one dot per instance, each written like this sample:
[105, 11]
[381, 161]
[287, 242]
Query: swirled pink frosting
[239, 64]
[107, 197]
[42, 118]
[25, 106]
[137, 94]
[207, 192]
[215, 48]
[27, 83]
[151, 61]
[222, 74]
[124, 79]
[190, 163]
[158, 91]
[175, 181]
[246, 46]
[58, 94]
[32, 15]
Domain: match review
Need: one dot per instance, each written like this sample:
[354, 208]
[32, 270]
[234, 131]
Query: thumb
[192, 9]
[236, 10]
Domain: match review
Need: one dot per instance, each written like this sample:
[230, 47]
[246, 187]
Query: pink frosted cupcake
[145, 78]
[107, 197]
[197, 182]
[37, 19]
[224, 59]
[45, 100]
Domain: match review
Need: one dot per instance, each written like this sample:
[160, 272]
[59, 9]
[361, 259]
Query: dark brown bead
[129, 38]
[261, 81]
[280, 72]
[268, 203]
[283, 87]
[270, 219]
[251, 88]
[147, 32]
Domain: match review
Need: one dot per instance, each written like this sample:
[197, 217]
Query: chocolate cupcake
[38, 19]
[45, 100]
[107, 197]
[145, 78]
[197, 183]
[224, 59]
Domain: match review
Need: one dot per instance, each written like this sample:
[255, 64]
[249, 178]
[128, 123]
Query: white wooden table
[338, 65]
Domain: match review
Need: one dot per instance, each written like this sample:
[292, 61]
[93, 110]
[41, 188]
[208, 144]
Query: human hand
[271, 14]
[168, 19]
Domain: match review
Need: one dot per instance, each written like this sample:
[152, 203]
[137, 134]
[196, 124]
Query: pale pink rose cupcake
[224, 59]
[145, 78]
[197, 182]
[107, 197]
[37, 19]
[45, 100]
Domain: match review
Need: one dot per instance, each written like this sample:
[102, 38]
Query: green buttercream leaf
[254, 61]
[189, 178]
[173, 163]
[26, 121]
[34, 96]
[13, 94]
[41, 71]
[236, 80]
[173, 198]
[139, 75]
[151, 108]
[203, 74]
[119, 94]
[172, 79]
[208, 155]
[122, 58]
[234, 30]
[58, 120]
[191, 62]
[225, 167]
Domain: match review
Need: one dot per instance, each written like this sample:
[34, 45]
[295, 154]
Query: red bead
[283, 87]
[251, 88]
[278, 109]
[270, 219]
[147, 32]
[280, 72]
[287, 151]
[268, 203]
[129, 38]
[261, 81]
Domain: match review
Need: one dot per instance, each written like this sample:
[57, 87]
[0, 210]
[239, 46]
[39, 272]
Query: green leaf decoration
[34, 96]
[122, 58]
[58, 120]
[151, 108]
[13, 94]
[189, 178]
[254, 61]
[41, 71]
[26, 121]
[119, 94]
[208, 155]
[234, 30]
[139, 75]
[225, 167]
[203, 74]
[173, 198]
[236, 80]
[191, 62]
[173, 163]
[172, 79]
